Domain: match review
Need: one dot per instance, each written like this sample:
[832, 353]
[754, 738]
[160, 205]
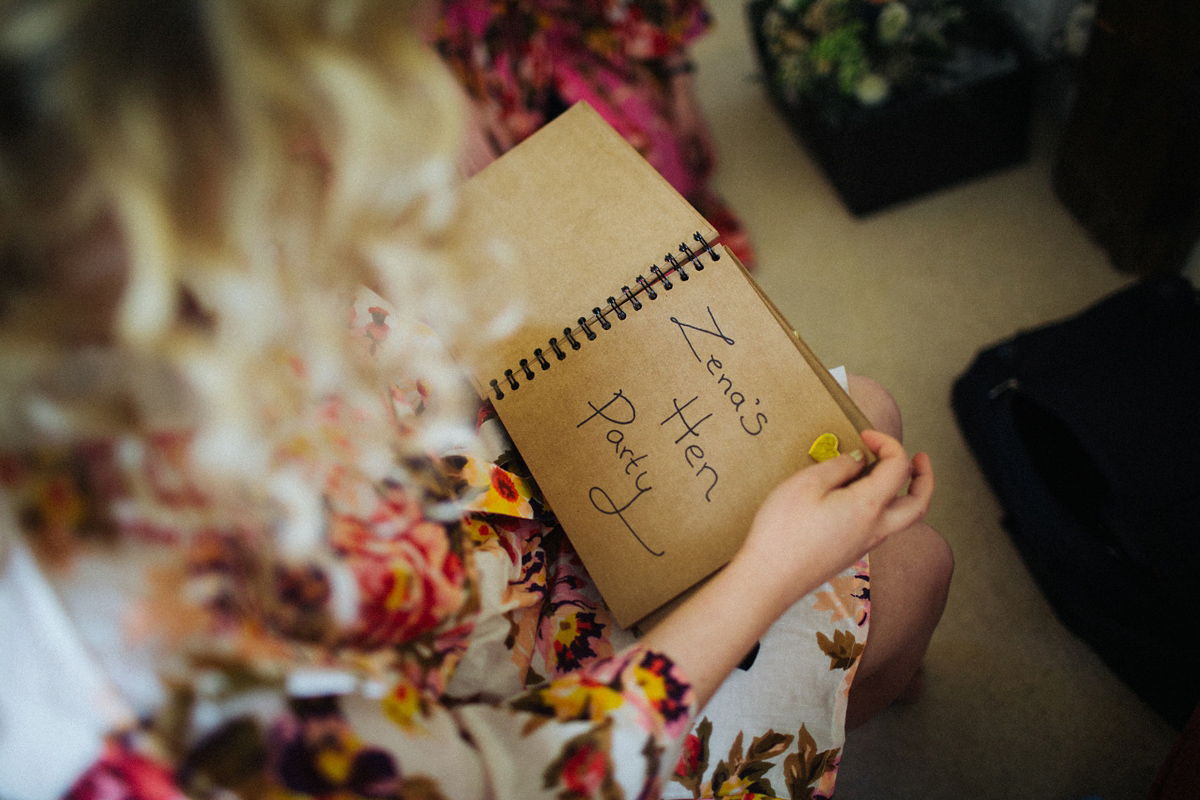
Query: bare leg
[910, 579]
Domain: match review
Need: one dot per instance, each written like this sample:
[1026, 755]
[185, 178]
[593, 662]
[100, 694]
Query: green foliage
[859, 51]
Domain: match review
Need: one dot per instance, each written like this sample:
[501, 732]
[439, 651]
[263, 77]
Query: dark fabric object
[1179, 776]
[1088, 431]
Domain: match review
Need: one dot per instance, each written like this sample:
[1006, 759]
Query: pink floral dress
[522, 62]
[475, 659]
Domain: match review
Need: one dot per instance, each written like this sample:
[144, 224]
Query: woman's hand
[821, 520]
[813, 525]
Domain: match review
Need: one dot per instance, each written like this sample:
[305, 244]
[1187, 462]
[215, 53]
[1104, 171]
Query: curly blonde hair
[189, 192]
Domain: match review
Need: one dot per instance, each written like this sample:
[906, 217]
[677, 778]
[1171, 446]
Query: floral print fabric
[428, 658]
[776, 729]
[523, 62]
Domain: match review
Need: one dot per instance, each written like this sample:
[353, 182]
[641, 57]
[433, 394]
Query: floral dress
[430, 657]
[523, 62]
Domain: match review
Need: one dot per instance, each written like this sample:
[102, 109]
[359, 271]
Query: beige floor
[1015, 706]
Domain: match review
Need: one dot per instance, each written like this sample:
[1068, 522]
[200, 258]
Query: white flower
[872, 90]
[893, 19]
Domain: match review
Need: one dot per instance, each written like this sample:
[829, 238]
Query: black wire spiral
[614, 307]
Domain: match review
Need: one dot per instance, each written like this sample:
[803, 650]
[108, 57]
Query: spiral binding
[600, 314]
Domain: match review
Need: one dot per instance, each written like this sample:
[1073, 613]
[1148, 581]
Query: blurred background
[1015, 705]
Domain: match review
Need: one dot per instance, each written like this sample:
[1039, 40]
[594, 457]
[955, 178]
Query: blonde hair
[232, 168]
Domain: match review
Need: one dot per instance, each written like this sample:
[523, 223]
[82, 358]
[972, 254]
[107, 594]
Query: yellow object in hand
[824, 448]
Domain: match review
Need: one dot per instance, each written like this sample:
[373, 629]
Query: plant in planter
[895, 97]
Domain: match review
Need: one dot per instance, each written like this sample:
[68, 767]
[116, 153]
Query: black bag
[1088, 431]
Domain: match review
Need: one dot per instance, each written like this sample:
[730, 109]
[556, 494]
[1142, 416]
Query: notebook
[654, 391]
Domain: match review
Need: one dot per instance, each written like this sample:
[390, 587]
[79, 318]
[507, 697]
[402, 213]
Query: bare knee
[910, 583]
[919, 556]
[939, 561]
[878, 404]
[936, 548]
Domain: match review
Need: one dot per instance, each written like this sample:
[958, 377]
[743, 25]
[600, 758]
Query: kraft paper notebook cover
[654, 392]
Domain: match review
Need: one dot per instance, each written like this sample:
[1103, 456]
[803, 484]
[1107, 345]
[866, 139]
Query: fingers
[883, 446]
[922, 477]
[835, 472]
[891, 473]
[892, 470]
[888, 476]
[906, 511]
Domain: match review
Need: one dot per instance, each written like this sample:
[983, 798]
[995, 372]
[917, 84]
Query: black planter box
[911, 145]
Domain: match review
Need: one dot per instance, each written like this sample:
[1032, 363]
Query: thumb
[836, 472]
